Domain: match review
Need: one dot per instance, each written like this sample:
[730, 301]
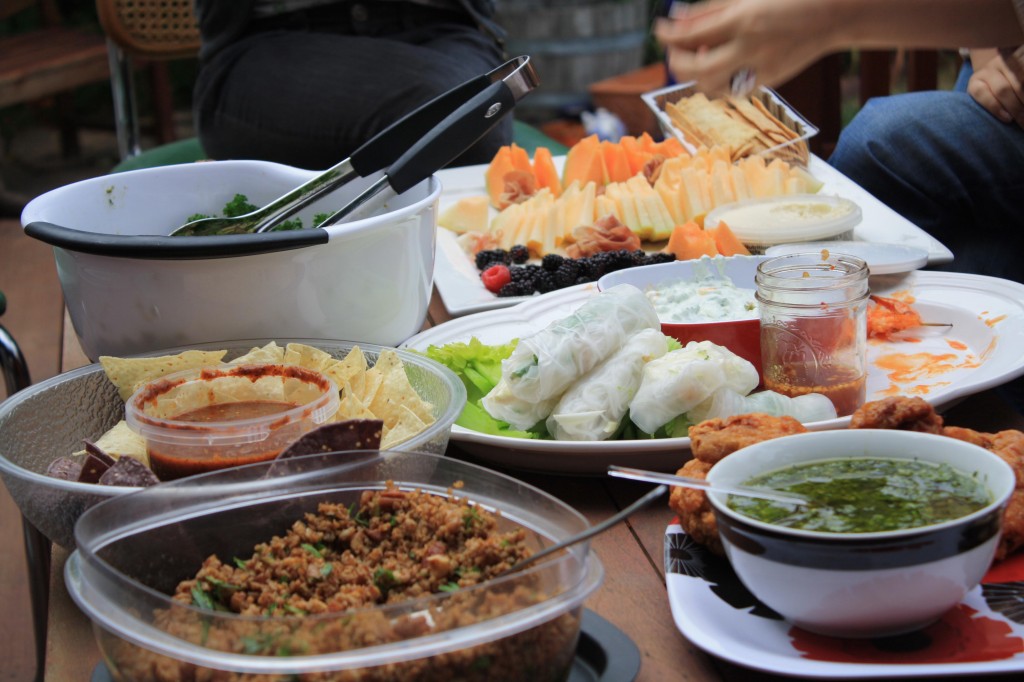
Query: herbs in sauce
[865, 494]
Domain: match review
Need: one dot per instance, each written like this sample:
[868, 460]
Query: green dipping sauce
[865, 495]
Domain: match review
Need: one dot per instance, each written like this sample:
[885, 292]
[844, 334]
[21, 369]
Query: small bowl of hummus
[761, 223]
[703, 299]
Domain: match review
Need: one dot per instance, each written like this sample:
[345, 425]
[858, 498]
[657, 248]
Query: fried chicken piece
[713, 439]
[1009, 445]
[695, 514]
[897, 412]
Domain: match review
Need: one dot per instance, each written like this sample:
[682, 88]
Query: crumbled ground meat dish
[396, 546]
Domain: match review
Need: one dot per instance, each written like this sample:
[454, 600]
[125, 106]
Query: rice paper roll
[810, 407]
[520, 414]
[593, 407]
[681, 380]
[544, 365]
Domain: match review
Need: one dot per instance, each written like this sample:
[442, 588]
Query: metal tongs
[410, 149]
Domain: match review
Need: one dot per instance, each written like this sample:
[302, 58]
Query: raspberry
[495, 277]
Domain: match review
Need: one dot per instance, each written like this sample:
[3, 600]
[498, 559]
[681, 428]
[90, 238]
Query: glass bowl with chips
[47, 463]
[372, 579]
[761, 123]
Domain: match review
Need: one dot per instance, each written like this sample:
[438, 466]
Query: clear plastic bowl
[184, 437]
[134, 550]
[49, 420]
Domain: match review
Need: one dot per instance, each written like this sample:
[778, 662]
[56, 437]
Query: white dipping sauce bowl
[862, 584]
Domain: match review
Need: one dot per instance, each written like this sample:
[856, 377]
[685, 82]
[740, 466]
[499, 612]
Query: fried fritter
[713, 439]
[898, 412]
[1009, 445]
[695, 514]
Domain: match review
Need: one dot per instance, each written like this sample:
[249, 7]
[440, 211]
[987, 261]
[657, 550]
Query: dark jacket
[221, 22]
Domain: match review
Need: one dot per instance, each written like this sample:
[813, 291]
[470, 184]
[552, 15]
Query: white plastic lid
[786, 219]
[882, 259]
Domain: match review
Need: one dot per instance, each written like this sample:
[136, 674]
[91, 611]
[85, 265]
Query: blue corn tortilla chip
[352, 434]
[64, 468]
[93, 468]
[129, 471]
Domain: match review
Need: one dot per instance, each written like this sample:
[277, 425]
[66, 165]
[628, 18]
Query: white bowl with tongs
[364, 274]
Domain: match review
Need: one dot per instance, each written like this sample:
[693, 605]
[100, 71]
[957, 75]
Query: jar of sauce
[217, 417]
[814, 326]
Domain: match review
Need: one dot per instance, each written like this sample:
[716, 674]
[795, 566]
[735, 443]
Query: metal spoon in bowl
[411, 149]
[611, 521]
[687, 482]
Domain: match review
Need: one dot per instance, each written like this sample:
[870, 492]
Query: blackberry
[659, 257]
[515, 288]
[520, 274]
[566, 274]
[639, 257]
[551, 262]
[519, 254]
[544, 282]
[491, 257]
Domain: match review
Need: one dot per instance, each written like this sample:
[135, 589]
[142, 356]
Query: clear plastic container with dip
[814, 326]
[213, 418]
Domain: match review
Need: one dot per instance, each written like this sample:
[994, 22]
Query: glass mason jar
[814, 326]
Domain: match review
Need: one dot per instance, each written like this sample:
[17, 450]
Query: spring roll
[593, 407]
[681, 380]
[520, 414]
[545, 364]
[810, 407]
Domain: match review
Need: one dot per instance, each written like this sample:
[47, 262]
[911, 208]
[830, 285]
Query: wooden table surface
[632, 597]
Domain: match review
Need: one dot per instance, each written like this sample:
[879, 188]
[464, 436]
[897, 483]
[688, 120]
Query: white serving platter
[458, 280]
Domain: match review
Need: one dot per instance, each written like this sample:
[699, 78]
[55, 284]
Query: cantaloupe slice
[637, 157]
[616, 163]
[545, 172]
[466, 214]
[494, 176]
[689, 241]
[520, 159]
[726, 241]
[584, 163]
[670, 147]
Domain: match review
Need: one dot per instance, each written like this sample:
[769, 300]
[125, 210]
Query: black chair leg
[37, 546]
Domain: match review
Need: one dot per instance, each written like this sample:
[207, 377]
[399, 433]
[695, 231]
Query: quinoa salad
[337, 580]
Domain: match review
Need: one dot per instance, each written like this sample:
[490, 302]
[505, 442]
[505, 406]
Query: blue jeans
[947, 165]
[307, 88]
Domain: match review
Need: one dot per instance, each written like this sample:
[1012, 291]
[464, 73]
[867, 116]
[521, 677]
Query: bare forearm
[920, 23]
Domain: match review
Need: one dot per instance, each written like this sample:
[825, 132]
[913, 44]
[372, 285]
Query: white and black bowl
[862, 584]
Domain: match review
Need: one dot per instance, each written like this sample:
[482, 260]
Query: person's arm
[998, 83]
[709, 41]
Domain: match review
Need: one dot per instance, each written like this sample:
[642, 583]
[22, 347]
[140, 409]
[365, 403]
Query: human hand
[711, 41]
[997, 84]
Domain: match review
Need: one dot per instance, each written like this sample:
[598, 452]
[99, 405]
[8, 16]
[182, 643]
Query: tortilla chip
[308, 357]
[65, 468]
[271, 354]
[120, 441]
[405, 426]
[127, 374]
[351, 407]
[92, 469]
[129, 472]
[395, 391]
[352, 434]
[351, 370]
